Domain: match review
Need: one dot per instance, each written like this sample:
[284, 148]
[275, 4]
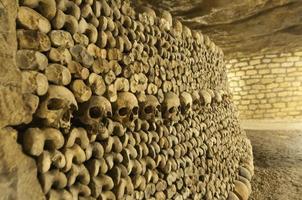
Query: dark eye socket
[149, 109]
[95, 112]
[158, 107]
[55, 104]
[123, 111]
[135, 110]
[171, 110]
[109, 114]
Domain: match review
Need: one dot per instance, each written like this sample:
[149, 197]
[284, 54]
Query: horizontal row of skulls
[58, 106]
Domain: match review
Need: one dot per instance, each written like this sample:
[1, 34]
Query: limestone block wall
[125, 104]
[268, 86]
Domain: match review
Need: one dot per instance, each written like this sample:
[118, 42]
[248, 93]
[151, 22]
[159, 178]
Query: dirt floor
[278, 165]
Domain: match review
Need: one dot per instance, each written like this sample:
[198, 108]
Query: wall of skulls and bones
[129, 105]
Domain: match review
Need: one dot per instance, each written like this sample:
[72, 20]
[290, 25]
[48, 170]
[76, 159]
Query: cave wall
[125, 104]
[267, 86]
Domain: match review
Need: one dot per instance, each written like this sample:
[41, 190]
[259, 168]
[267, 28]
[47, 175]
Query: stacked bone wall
[268, 86]
[127, 105]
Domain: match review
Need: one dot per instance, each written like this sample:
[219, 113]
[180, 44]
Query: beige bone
[34, 140]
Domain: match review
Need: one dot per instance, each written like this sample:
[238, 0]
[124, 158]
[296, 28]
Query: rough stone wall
[127, 105]
[268, 86]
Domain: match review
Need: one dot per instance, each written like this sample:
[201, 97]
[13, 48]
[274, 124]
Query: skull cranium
[166, 21]
[171, 107]
[93, 112]
[186, 102]
[205, 98]
[56, 107]
[150, 109]
[126, 109]
[149, 14]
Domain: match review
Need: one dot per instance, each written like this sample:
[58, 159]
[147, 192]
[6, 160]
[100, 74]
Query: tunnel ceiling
[240, 27]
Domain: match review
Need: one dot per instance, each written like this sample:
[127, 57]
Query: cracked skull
[126, 108]
[56, 107]
[171, 106]
[95, 111]
[150, 109]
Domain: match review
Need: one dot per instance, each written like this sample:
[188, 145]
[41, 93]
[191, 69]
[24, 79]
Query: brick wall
[268, 86]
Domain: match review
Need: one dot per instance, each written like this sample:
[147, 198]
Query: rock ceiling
[240, 27]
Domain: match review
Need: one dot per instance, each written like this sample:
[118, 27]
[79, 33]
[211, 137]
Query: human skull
[149, 14]
[150, 109]
[125, 109]
[205, 98]
[171, 107]
[186, 32]
[198, 37]
[196, 99]
[186, 102]
[166, 21]
[56, 107]
[95, 111]
[177, 28]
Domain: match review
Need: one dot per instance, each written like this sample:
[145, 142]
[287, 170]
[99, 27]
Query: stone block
[273, 65]
[279, 60]
[287, 64]
[255, 62]
[270, 95]
[292, 69]
[232, 61]
[261, 66]
[285, 93]
[258, 87]
[286, 54]
[240, 73]
[278, 70]
[279, 105]
[293, 59]
[260, 96]
[285, 84]
[296, 84]
[266, 60]
[241, 64]
[270, 56]
[298, 64]
[264, 71]
[252, 81]
[267, 80]
[251, 72]
[298, 53]
[245, 102]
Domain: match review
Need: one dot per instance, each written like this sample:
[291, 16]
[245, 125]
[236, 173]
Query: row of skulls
[58, 105]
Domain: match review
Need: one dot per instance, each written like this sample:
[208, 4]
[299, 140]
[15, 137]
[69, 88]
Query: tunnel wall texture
[115, 104]
[268, 86]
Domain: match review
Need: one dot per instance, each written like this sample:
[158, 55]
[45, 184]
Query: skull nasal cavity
[95, 112]
[135, 110]
[148, 109]
[55, 104]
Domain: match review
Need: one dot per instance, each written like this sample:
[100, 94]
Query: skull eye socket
[135, 110]
[123, 111]
[109, 114]
[66, 116]
[158, 107]
[95, 112]
[148, 109]
[172, 110]
[55, 104]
